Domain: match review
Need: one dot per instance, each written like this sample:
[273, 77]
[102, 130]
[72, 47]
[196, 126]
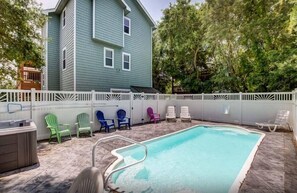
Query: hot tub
[18, 144]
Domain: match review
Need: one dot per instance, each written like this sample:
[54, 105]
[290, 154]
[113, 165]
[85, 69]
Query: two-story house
[101, 45]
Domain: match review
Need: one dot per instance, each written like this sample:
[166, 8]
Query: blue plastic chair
[103, 121]
[122, 119]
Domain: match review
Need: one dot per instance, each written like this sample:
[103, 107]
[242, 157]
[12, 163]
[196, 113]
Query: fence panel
[164, 101]
[239, 108]
[137, 112]
[193, 101]
[261, 107]
[149, 100]
[109, 104]
[66, 111]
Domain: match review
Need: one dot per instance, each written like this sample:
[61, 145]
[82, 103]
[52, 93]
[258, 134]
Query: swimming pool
[204, 159]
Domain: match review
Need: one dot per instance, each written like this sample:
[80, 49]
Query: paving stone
[273, 170]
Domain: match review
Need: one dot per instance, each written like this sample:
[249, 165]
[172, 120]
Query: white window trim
[64, 49]
[62, 18]
[123, 57]
[129, 34]
[112, 50]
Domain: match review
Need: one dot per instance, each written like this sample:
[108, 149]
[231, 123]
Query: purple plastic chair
[153, 116]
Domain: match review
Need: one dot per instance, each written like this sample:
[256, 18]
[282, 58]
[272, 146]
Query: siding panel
[67, 35]
[91, 73]
[139, 45]
[109, 21]
[53, 52]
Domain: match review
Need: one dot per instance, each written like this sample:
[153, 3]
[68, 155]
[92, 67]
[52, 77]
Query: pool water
[201, 159]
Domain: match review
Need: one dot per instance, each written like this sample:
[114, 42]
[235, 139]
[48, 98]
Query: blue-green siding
[67, 40]
[90, 71]
[139, 45]
[53, 68]
[109, 22]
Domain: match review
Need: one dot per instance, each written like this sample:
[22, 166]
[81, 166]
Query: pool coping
[241, 175]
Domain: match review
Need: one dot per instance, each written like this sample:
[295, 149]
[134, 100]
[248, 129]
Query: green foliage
[20, 39]
[160, 77]
[181, 55]
[242, 45]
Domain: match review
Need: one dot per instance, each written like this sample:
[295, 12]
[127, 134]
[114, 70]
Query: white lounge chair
[90, 180]
[184, 114]
[281, 120]
[170, 113]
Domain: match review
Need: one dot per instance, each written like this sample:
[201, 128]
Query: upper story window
[64, 58]
[127, 26]
[108, 58]
[64, 17]
[126, 62]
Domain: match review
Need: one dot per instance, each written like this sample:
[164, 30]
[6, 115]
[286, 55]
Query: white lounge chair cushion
[184, 113]
[171, 113]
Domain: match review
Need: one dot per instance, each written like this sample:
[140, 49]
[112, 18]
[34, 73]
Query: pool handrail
[120, 168]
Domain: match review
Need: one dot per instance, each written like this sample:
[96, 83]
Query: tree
[20, 39]
[160, 77]
[251, 44]
[180, 36]
[230, 45]
[293, 17]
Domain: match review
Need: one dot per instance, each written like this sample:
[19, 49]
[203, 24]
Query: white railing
[238, 108]
[284, 96]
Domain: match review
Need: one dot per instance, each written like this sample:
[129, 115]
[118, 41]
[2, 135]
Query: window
[64, 17]
[64, 58]
[127, 26]
[126, 62]
[108, 58]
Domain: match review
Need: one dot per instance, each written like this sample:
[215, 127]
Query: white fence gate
[238, 108]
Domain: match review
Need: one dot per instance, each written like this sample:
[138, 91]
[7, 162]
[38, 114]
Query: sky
[154, 7]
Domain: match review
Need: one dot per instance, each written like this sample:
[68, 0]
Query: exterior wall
[67, 40]
[53, 57]
[90, 71]
[109, 22]
[139, 45]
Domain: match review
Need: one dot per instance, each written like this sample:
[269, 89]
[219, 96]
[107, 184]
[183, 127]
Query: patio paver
[273, 169]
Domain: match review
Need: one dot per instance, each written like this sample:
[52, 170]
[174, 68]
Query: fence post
[202, 106]
[142, 101]
[93, 99]
[240, 100]
[294, 104]
[131, 107]
[294, 95]
[32, 102]
[158, 102]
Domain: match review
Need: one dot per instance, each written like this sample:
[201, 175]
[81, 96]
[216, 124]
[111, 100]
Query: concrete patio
[273, 169]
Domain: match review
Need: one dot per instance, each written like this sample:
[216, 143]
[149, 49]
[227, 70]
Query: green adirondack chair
[83, 125]
[56, 129]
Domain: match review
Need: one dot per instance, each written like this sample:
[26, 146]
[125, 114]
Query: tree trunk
[172, 85]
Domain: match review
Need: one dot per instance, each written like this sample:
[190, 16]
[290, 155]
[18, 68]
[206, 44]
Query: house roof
[62, 3]
[139, 89]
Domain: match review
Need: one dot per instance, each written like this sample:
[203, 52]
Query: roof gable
[145, 12]
[62, 3]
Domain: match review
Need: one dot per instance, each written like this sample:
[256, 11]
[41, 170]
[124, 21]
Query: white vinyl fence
[238, 108]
